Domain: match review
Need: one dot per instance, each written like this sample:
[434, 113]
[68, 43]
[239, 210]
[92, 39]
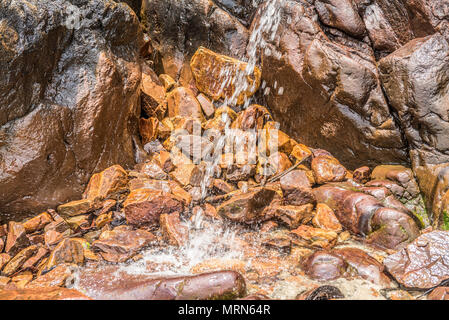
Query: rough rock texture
[51, 293]
[423, 263]
[68, 95]
[178, 28]
[331, 95]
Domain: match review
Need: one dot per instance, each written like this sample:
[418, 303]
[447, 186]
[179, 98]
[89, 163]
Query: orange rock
[293, 216]
[168, 82]
[75, 208]
[67, 251]
[37, 223]
[35, 259]
[206, 105]
[4, 258]
[211, 70]
[106, 183]
[315, 236]
[16, 238]
[217, 264]
[52, 237]
[328, 169]
[53, 293]
[16, 263]
[300, 152]
[253, 117]
[56, 277]
[182, 102]
[173, 231]
[148, 129]
[326, 219]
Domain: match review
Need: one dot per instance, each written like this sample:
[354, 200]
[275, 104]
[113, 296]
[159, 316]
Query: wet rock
[148, 129]
[197, 147]
[106, 183]
[19, 259]
[331, 93]
[206, 105]
[237, 173]
[147, 207]
[152, 170]
[173, 231]
[322, 293]
[16, 238]
[182, 102]
[211, 69]
[75, 208]
[315, 236]
[122, 243]
[54, 293]
[153, 92]
[253, 117]
[222, 187]
[328, 169]
[291, 216]
[52, 237]
[400, 175]
[67, 251]
[324, 266]
[60, 276]
[32, 262]
[362, 175]
[298, 196]
[295, 179]
[440, 293]
[220, 285]
[4, 259]
[70, 117]
[247, 207]
[325, 218]
[423, 263]
[168, 82]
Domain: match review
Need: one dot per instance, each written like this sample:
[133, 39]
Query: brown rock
[315, 236]
[237, 173]
[151, 169]
[328, 169]
[168, 82]
[422, 264]
[67, 251]
[182, 102]
[42, 294]
[75, 208]
[4, 258]
[210, 69]
[253, 117]
[79, 223]
[106, 183]
[16, 238]
[34, 260]
[222, 187]
[122, 243]
[440, 293]
[295, 179]
[52, 237]
[173, 231]
[402, 176]
[19, 259]
[152, 90]
[148, 129]
[362, 175]
[59, 276]
[325, 218]
[300, 152]
[37, 223]
[206, 105]
[324, 266]
[293, 216]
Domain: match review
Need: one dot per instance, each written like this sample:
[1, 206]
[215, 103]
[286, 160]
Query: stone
[16, 238]
[300, 152]
[79, 223]
[52, 237]
[316, 236]
[19, 259]
[122, 243]
[37, 223]
[148, 129]
[106, 184]
[331, 93]
[324, 266]
[183, 103]
[362, 175]
[237, 173]
[4, 259]
[153, 91]
[247, 207]
[148, 210]
[402, 176]
[151, 169]
[278, 162]
[195, 147]
[423, 263]
[58, 277]
[293, 216]
[168, 82]
[66, 251]
[210, 69]
[53, 293]
[440, 293]
[75, 208]
[183, 173]
[222, 187]
[32, 262]
[206, 105]
[252, 118]
[328, 169]
[325, 218]
[295, 179]
[322, 293]
[220, 285]
[76, 112]
[173, 231]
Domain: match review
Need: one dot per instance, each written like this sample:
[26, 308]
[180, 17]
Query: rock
[67, 251]
[37, 223]
[177, 29]
[71, 116]
[247, 207]
[153, 92]
[147, 210]
[440, 293]
[52, 237]
[195, 147]
[173, 231]
[106, 184]
[292, 216]
[75, 208]
[210, 70]
[61, 275]
[222, 187]
[297, 196]
[362, 175]
[253, 117]
[16, 238]
[80, 223]
[295, 179]
[423, 263]
[278, 162]
[341, 14]
[324, 266]
[4, 259]
[19, 259]
[53, 293]
[322, 293]
[331, 93]
[122, 243]
[328, 169]
[402, 176]
[221, 285]
[183, 103]
[315, 236]
[168, 82]
[241, 9]
[148, 129]
[152, 170]
[325, 218]
[32, 262]
[237, 173]
[206, 105]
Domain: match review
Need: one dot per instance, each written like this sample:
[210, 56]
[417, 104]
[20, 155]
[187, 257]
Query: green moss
[445, 224]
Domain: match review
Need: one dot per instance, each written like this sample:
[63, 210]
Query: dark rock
[323, 293]
[69, 93]
[362, 175]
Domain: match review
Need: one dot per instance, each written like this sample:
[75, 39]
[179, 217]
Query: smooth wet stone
[291, 216]
[324, 266]
[295, 179]
[247, 207]
[423, 263]
[328, 169]
[122, 243]
[173, 231]
[105, 284]
[362, 175]
[325, 218]
[37, 223]
[237, 173]
[32, 262]
[16, 238]
[252, 118]
[148, 129]
[182, 102]
[53, 293]
[211, 69]
[106, 183]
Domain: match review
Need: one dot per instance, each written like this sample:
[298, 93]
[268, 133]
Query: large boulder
[179, 27]
[68, 95]
[326, 94]
[416, 79]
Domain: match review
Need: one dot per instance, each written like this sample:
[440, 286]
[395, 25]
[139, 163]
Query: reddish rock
[153, 92]
[52, 237]
[56, 277]
[148, 129]
[152, 170]
[324, 266]
[362, 175]
[315, 236]
[206, 105]
[173, 231]
[122, 243]
[253, 117]
[440, 293]
[237, 173]
[54, 293]
[182, 102]
[295, 179]
[222, 187]
[19, 259]
[423, 263]
[106, 183]
[67, 251]
[292, 216]
[35, 259]
[328, 169]
[16, 238]
[4, 258]
[75, 208]
[325, 218]
[37, 223]
[400, 175]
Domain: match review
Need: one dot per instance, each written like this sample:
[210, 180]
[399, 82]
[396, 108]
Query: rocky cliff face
[68, 97]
